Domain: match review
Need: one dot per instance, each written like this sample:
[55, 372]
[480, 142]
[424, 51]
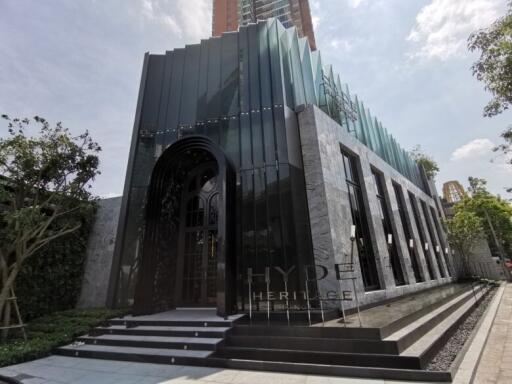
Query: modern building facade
[229, 14]
[257, 182]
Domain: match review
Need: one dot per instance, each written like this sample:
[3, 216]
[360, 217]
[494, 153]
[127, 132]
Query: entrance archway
[197, 245]
[186, 257]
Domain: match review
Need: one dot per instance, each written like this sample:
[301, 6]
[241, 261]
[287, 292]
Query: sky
[80, 62]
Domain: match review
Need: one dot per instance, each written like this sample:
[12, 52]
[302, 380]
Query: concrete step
[185, 358]
[339, 332]
[153, 355]
[314, 344]
[317, 357]
[425, 348]
[423, 303]
[134, 322]
[412, 332]
[169, 342]
[149, 330]
[185, 317]
[391, 315]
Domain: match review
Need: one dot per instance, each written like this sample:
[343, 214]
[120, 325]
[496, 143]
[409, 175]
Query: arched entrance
[186, 256]
[197, 249]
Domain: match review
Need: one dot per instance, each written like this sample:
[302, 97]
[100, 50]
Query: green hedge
[51, 279]
[48, 332]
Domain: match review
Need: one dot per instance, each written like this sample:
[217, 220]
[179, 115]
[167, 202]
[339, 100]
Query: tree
[506, 148]
[464, 230]
[46, 180]
[495, 213]
[494, 66]
[427, 162]
[477, 185]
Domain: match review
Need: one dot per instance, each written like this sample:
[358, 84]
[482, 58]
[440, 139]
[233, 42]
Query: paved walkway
[67, 370]
[496, 363]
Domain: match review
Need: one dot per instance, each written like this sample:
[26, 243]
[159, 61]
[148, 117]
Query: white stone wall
[100, 249]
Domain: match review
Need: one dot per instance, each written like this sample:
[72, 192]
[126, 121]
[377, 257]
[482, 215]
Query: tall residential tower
[229, 14]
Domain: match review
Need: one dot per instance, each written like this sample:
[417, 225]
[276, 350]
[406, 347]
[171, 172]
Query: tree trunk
[6, 292]
[6, 320]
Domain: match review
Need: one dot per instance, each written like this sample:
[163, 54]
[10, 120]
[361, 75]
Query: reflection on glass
[407, 233]
[388, 230]
[366, 257]
[421, 233]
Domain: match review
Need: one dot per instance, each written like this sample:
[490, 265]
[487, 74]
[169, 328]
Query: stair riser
[136, 332]
[163, 323]
[155, 359]
[361, 360]
[339, 371]
[319, 332]
[429, 354]
[314, 344]
[406, 320]
[414, 336]
[150, 344]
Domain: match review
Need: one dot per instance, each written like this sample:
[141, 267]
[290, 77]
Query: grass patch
[48, 332]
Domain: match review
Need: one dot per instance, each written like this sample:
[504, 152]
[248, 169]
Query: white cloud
[183, 18]
[110, 195]
[443, 26]
[341, 45]
[316, 21]
[355, 3]
[477, 147]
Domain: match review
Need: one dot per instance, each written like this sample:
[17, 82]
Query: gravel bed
[444, 358]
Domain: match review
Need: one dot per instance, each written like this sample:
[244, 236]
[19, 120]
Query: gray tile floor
[60, 370]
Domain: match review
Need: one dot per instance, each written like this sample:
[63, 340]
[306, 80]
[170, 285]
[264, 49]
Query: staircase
[400, 348]
[397, 340]
[182, 336]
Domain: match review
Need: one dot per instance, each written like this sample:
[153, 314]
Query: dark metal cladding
[225, 100]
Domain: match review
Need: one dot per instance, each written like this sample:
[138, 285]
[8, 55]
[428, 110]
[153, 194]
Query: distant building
[225, 16]
[229, 14]
[453, 191]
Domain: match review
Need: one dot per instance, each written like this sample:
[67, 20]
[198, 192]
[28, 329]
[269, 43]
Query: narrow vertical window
[402, 210]
[421, 233]
[391, 237]
[434, 242]
[363, 240]
[437, 227]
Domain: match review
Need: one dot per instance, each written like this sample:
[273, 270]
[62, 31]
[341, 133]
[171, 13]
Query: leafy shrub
[48, 332]
[51, 280]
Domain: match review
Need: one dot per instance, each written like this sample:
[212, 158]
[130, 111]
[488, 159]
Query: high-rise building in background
[229, 14]
[453, 191]
[225, 16]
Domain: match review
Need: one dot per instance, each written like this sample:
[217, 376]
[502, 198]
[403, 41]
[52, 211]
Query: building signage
[313, 273]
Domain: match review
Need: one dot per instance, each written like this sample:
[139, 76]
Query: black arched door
[187, 255]
[198, 238]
